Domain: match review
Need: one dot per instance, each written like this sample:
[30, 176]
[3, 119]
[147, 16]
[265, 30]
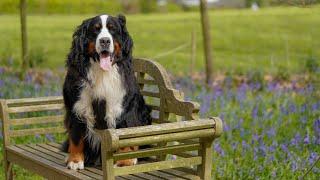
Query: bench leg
[204, 170]
[8, 170]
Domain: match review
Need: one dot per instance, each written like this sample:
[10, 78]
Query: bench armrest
[137, 136]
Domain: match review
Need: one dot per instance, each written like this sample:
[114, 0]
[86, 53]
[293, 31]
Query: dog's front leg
[99, 111]
[76, 157]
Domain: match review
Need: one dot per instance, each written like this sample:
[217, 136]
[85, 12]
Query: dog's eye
[97, 26]
[110, 26]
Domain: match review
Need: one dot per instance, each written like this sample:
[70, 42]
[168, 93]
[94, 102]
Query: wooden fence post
[206, 39]
[24, 38]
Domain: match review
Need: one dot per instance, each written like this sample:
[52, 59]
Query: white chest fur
[105, 85]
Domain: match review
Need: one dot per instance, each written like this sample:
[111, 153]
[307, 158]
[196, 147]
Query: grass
[271, 129]
[242, 40]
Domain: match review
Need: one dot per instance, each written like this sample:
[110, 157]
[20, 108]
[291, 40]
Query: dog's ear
[127, 42]
[78, 52]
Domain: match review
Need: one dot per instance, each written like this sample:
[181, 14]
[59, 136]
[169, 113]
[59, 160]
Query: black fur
[135, 113]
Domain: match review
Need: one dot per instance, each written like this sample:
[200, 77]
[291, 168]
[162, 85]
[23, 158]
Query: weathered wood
[37, 120]
[26, 132]
[204, 169]
[166, 137]
[151, 94]
[164, 128]
[41, 166]
[206, 39]
[157, 166]
[6, 137]
[35, 108]
[146, 81]
[156, 151]
[107, 157]
[35, 101]
[166, 90]
[154, 107]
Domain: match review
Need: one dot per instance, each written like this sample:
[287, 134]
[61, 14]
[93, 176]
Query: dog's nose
[105, 42]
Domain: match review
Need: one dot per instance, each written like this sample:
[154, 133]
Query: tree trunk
[206, 39]
[24, 39]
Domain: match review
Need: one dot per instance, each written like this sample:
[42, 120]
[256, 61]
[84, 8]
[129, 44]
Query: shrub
[312, 65]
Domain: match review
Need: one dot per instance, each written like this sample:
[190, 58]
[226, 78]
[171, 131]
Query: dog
[100, 89]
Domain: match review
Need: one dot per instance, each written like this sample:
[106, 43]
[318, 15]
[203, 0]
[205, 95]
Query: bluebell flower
[306, 140]
[316, 128]
[312, 158]
[218, 149]
[1, 70]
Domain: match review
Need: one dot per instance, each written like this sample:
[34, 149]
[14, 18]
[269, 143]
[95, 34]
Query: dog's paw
[126, 162]
[75, 165]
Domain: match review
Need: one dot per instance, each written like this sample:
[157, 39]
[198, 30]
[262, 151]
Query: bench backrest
[31, 116]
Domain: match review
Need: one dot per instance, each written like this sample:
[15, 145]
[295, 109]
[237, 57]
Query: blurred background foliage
[134, 6]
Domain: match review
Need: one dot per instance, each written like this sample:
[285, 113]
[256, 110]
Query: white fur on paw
[135, 161]
[75, 166]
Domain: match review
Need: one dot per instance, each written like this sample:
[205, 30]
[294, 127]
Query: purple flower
[1, 70]
[316, 127]
[315, 106]
[284, 148]
[271, 132]
[28, 78]
[294, 166]
[234, 146]
[218, 149]
[303, 108]
[292, 108]
[50, 137]
[296, 140]
[254, 113]
[312, 158]
[245, 146]
[1, 82]
[306, 140]
[271, 86]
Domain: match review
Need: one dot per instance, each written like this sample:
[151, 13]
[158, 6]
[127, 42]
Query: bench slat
[37, 120]
[203, 133]
[52, 157]
[157, 166]
[164, 175]
[34, 108]
[38, 100]
[151, 94]
[164, 128]
[39, 165]
[180, 174]
[156, 151]
[154, 107]
[146, 81]
[26, 132]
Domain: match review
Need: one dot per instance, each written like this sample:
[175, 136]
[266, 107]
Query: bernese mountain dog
[100, 89]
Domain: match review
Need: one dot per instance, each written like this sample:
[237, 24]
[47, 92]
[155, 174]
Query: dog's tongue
[105, 63]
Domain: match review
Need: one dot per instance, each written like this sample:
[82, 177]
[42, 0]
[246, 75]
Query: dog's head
[103, 38]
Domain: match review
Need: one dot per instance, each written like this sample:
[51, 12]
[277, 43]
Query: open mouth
[106, 60]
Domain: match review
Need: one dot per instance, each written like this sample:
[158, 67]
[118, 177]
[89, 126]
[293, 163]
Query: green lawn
[242, 40]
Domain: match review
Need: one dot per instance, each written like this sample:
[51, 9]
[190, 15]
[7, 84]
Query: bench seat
[48, 161]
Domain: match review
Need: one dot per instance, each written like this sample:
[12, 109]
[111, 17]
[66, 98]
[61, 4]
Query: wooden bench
[179, 149]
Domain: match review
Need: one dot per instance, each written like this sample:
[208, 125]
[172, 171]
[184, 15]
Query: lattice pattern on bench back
[155, 84]
[31, 116]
